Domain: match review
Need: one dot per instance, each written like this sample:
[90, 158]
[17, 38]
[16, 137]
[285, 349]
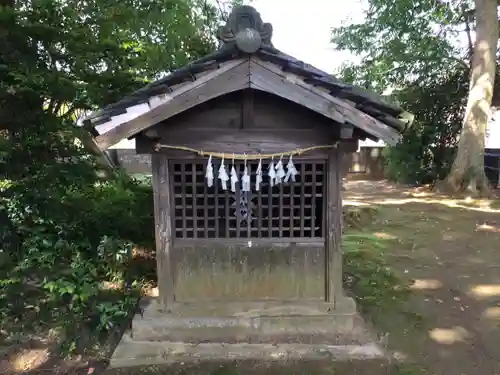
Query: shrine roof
[238, 43]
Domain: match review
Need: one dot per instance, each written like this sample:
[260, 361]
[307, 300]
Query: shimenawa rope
[222, 155]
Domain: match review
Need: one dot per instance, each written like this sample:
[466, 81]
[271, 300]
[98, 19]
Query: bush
[122, 208]
[68, 265]
[427, 149]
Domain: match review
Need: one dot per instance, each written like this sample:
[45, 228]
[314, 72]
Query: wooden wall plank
[276, 125]
[220, 113]
[243, 141]
[247, 110]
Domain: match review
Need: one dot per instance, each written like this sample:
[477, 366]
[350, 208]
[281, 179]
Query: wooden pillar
[333, 252]
[163, 229]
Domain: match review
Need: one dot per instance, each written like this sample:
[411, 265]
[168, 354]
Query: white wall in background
[493, 130]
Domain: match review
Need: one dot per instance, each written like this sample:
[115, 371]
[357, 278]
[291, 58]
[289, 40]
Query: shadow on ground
[450, 249]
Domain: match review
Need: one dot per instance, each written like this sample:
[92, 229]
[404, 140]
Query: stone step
[132, 352]
[198, 337]
[238, 329]
[244, 309]
[244, 321]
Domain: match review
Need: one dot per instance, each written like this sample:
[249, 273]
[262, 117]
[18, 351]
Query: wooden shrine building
[246, 148]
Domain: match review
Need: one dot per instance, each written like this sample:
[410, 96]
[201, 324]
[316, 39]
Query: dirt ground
[451, 250]
[448, 248]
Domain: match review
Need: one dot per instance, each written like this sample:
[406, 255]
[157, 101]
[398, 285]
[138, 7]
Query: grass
[445, 247]
[382, 294]
[495, 204]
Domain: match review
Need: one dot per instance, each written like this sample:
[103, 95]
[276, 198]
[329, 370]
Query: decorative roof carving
[245, 29]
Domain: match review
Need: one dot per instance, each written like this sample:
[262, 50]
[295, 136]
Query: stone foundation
[260, 330]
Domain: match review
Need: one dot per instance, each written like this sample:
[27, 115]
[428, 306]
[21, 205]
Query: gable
[269, 111]
[250, 64]
[238, 75]
[228, 78]
[268, 77]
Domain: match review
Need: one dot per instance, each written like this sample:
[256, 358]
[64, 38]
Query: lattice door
[291, 210]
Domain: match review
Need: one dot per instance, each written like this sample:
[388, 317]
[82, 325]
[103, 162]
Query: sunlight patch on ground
[421, 194]
[485, 291]
[29, 359]
[448, 236]
[426, 284]
[350, 202]
[476, 260]
[140, 252]
[492, 313]
[153, 292]
[385, 236]
[449, 336]
[108, 285]
[452, 203]
[487, 228]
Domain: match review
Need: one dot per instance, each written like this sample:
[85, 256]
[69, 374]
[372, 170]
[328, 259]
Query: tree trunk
[467, 172]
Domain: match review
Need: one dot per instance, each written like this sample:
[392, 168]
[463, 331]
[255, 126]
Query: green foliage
[80, 55]
[62, 261]
[401, 42]
[403, 47]
[66, 235]
[122, 208]
[426, 151]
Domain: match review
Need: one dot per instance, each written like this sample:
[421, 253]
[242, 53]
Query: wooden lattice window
[291, 210]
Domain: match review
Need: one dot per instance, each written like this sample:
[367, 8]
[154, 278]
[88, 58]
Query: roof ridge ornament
[245, 30]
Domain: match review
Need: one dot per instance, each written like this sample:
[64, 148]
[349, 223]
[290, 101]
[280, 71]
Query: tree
[67, 56]
[403, 44]
[426, 151]
[59, 57]
[99, 50]
[467, 171]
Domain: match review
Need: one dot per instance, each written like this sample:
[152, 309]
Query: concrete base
[259, 330]
[144, 353]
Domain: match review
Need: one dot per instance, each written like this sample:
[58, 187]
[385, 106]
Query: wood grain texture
[209, 272]
[278, 113]
[333, 264]
[276, 125]
[318, 100]
[163, 229]
[266, 80]
[241, 142]
[248, 110]
[229, 78]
